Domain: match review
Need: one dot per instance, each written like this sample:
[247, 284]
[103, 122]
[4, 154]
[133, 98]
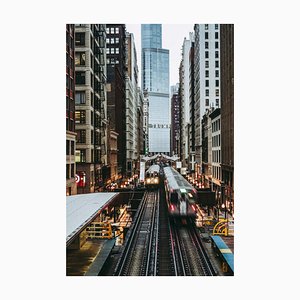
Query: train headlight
[156, 180]
[148, 180]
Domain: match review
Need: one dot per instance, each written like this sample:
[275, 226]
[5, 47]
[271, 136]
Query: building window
[107, 30]
[206, 26]
[82, 155]
[107, 40]
[206, 93]
[217, 102]
[80, 98]
[217, 83]
[72, 147]
[80, 59]
[112, 40]
[217, 73]
[117, 50]
[206, 45]
[73, 170]
[216, 26]
[79, 38]
[216, 45]
[112, 30]
[117, 40]
[81, 136]
[112, 50]
[207, 83]
[68, 147]
[206, 64]
[206, 54]
[217, 64]
[206, 35]
[67, 171]
[80, 117]
[117, 30]
[107, 50]
[80, 78]
[206, 102]
[217, 54]
[216, 35]
[217, 92]
[206, 73]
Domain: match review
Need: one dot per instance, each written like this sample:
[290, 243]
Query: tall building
[71, 188]
[90, 101]
[155, 79]
[175, 120]
[227, 113]
[131, 105]
[207, 77]
[146, 122]
[116, 88]
[184, 80]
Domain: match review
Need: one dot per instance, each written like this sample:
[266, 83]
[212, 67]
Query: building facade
[71, 187]
[116, 88]
[215, 117]
[132, 99]
[184, 81]
[175, 120]
[155, 79]
[207, 76]
[90, 101]
[227, 113]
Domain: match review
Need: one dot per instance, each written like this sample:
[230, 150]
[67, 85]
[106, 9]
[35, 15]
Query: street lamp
[224, 208]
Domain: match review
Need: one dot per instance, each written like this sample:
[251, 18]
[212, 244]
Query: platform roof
[81, 209]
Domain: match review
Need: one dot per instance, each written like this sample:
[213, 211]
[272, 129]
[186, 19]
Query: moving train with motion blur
[180, 194]
[152, 177]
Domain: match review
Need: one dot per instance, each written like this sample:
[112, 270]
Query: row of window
[216, 45]
[207, 54]
[216, 172]
[206, 26]
[70, 147]
[207, 64]
[217, 73]
[112, 50]
[216, 140]
[113, 40]
[207, 83]
[216, 156]
[70, 171]
[216, 125]
[112, 30]
[217, 92]
[216, 35]
[207, 102]
[112, 61]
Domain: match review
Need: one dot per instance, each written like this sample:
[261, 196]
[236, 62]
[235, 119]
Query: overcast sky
[172, 39]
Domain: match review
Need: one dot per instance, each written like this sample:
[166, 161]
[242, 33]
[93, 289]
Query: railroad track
[190, 256]
[139, 256]
[159, 246]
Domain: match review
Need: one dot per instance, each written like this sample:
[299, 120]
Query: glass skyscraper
[155, 79]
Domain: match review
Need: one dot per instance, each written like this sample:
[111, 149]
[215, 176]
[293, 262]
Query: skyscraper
[155, 79]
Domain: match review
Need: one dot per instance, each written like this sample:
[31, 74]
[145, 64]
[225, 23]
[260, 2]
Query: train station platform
[82, 209]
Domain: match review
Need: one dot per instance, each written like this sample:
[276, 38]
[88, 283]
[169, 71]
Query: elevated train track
[158, 245]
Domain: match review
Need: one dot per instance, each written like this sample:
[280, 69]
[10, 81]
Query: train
[152, 179]
[180, 194]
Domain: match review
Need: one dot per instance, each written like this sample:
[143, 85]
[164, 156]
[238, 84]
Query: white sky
[172, 39]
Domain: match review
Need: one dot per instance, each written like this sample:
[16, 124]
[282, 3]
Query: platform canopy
[82, 209]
